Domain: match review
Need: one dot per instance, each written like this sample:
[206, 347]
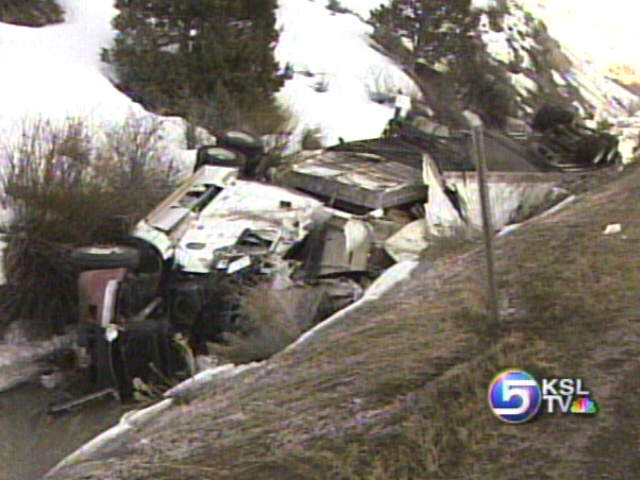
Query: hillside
[398, 389]
[543, 70]
[604, 33]
[56, 71]
[354, 68]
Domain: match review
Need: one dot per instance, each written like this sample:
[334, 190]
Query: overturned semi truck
[148, 306]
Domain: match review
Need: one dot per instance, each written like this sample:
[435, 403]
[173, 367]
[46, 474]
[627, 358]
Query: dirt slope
[398, 389]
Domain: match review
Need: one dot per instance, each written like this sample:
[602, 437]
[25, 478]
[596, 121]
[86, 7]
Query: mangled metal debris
[329, 221]
[192, 260]
[355, 181]
[525, 165]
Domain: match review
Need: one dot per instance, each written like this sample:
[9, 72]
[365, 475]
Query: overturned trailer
[524, 168]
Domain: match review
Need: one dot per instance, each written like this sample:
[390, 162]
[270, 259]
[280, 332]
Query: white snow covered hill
[56, 72]
[337, 66]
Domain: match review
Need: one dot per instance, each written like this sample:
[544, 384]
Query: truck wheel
[219, 157]
[186, 303]
[242, 142]
[98, 257]
[550, 116]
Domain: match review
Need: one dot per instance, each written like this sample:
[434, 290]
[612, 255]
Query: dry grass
[220, 113]
[397, 390]
[269, 321]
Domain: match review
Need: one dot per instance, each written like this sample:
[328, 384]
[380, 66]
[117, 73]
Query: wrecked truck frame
[146, 308]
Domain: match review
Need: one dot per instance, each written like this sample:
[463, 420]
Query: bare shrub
[65, 190]
[336, 7]
[277, 147]
[269, 321]
[219, 113]
[266, 120]
[380, 87]
[322, 85]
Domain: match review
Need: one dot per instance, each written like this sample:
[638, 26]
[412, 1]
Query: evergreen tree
[171, 53]
[434, 28]
[443, 32]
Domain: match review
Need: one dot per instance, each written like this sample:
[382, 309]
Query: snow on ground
[336, 49]
[523, 84]
[604, 31]
[55, 73]
[614, 101]
[516, 38]
[483, 4]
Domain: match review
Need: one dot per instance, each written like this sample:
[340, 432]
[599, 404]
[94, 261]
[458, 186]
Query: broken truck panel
[246, 219]
[346, 246]
[454, 199]
[361, 179]
[160, 226]
[189, 197]
[409, 242]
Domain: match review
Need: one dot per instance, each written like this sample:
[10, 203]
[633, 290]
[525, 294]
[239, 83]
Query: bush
[168, 55]
[66, 189]
[31, 13]
[311, 139]
[219, 113]
[270, 320]
[381, 88]
[336, 7]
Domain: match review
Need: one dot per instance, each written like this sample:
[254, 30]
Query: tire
[242, 142]
[99, 257]
[219, 157]
[550, 116]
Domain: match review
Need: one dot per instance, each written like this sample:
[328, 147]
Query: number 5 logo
[514, 396]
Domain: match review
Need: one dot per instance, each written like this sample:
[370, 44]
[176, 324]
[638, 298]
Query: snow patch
[337, 49]
[523, 84]
[483, 4]
[56, 73]
[557, 78]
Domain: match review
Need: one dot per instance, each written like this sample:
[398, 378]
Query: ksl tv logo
[515, 396]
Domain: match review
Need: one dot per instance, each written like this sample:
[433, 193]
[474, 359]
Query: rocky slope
[541, 69]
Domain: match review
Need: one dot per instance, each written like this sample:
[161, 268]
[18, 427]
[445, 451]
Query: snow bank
[335, 49]
[19, 359]
[483, 4]
[55, 73]
[603, 31]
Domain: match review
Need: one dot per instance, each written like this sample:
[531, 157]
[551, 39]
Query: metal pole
[480, 160]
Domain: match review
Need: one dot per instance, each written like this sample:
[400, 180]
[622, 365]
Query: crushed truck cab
[196, 254]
